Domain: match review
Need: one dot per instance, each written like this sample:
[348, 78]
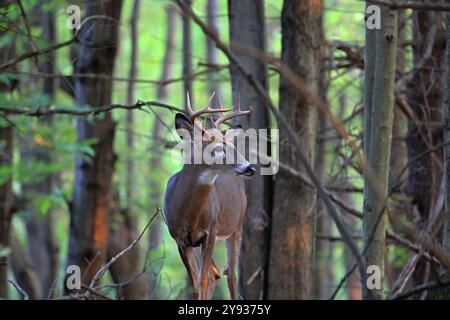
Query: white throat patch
[207, 177]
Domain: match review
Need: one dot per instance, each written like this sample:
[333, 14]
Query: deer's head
[213, 149]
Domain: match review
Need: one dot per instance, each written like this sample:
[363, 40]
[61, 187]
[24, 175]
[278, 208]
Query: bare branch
[421, 288]
[422, 6]
[22, 292]
[106, 266]
[38, 112]
[37, 52]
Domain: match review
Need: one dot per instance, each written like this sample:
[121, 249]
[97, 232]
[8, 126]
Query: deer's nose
[250, 170]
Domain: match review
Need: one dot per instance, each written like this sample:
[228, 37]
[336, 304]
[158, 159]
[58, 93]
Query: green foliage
[4, 251]
[6, 78]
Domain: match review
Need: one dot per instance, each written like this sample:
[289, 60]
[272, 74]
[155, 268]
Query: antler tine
[236, 113]
[195, 114]
[210, 99]
[188, 104]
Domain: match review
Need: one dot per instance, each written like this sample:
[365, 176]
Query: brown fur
[199, 214]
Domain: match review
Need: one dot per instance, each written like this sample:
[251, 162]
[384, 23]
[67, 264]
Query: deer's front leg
[188, 258]
[207, 255]
[233, 244]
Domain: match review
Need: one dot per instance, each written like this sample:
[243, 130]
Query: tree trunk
[290, 268]
[212, 16]
[445, 276]
[157, 147]
[130, 122]
[24, 273]
[247, 29]
[43, 247]
[6, 201]
[399, 153]
[323, 248]
[382, 114]
[6, 156]
[92, 190]
[425, 97]
[187, 55]
[323, 224]
[127, 272]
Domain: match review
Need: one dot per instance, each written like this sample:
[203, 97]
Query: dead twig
[422, 6]
[37, 52]
[106, 266]
[22, 292]
[421, 288]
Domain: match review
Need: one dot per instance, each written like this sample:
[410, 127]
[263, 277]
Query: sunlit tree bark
[381, 121]
[291, 243]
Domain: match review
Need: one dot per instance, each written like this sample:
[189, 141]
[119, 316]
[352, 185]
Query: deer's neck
[207, 178]
[199, 181]
[196, 184]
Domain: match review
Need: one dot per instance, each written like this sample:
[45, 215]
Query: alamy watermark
[373, 17]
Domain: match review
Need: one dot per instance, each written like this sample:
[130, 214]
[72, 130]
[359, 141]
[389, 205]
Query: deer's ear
[182, 122]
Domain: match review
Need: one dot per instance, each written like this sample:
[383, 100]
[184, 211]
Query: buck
[205, 203]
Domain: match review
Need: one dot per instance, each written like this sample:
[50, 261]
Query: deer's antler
[195, 114]
[236, 113]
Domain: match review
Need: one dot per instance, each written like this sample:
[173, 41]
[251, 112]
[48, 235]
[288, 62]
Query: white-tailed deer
[204, 203]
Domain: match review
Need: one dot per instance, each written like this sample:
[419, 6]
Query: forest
[319, 132]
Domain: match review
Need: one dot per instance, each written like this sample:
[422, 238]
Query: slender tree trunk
[380, 146]
[323, 249]
[369, 77]
[6, 201]
[445, 276]
[24, 273]
[130, 122]
[212, 13]
[157, 130]
[6, 157]
[187, 55]
[424, 94]
[399, 154]
[92, 191]
[291, 254]
[43, 247]
[157, 147]
[128, 272]
[247, 29]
